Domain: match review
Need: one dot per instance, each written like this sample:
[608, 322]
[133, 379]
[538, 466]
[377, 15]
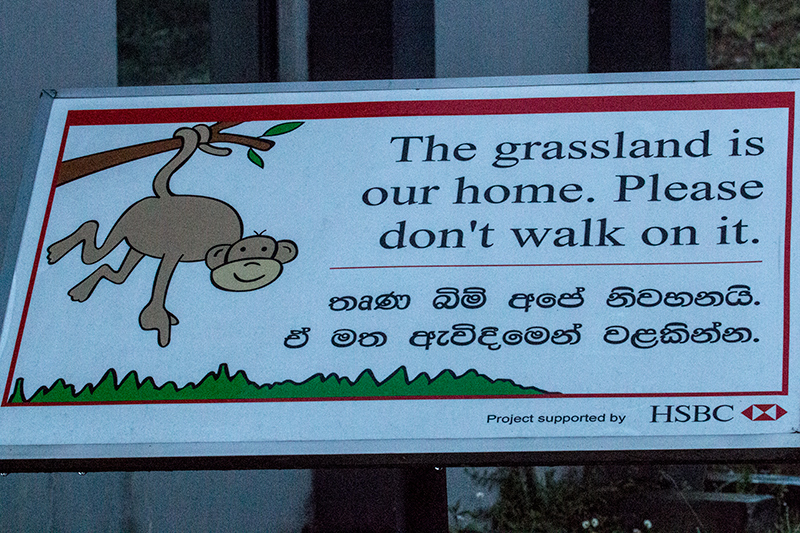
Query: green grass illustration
[221, 386]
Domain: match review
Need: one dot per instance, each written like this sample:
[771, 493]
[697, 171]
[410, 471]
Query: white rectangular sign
[475, 263]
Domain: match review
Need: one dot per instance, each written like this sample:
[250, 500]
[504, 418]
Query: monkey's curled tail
[193, 138]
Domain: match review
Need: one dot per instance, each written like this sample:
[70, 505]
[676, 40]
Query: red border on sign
[408, 108]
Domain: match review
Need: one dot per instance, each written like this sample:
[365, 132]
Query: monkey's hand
[155, 317]
[205, 136]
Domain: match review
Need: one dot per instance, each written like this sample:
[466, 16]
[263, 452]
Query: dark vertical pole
[349, 40]
[371, 39]
[356, 500]
[688, 35]
[650, 35]
[268, 40]
[234, 41]
[627, 36]
[646, 35]
[360, 40]
[396, 500]
[413, 36]
[425, 499]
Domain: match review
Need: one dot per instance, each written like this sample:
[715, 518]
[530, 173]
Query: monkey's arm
[155, 316]
[83, 166]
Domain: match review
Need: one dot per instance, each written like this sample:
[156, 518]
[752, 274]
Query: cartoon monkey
[178, 228]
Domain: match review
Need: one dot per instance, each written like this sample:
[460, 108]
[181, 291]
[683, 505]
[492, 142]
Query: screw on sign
[761, 412]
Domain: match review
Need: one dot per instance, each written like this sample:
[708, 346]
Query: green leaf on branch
[280, 129]
[255, 158]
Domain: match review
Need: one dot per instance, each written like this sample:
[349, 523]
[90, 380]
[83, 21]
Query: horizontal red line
[548, 265]
[547, 395]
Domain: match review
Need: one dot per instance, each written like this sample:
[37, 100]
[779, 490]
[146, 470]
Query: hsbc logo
[764, 412]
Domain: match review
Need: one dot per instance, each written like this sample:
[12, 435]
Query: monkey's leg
[86, 235]
[86, 231]
[82, 291]
[155, 315]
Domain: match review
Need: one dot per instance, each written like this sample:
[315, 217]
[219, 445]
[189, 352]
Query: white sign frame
[697, 418]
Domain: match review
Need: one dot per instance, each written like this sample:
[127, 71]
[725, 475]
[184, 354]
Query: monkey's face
[250, 263]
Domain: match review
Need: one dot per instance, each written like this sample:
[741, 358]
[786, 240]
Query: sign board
[423, 268]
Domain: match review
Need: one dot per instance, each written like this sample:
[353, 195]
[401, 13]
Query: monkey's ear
[216, 255]
[286, 251]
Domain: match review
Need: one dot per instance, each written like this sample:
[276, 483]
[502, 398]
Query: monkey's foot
[84, 289]
[155, 317]
[84, 234]
[59, 249]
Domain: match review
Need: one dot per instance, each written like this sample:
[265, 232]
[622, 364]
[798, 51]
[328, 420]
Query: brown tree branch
[79, 167]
